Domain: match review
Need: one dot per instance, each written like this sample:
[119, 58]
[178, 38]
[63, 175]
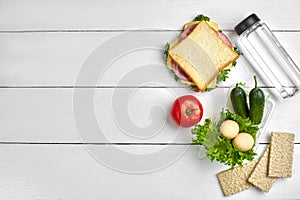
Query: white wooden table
[74, 126]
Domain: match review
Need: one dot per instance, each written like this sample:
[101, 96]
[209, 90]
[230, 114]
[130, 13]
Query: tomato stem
[189, 111]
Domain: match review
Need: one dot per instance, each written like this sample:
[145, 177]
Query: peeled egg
[243, 141]
[229, 129]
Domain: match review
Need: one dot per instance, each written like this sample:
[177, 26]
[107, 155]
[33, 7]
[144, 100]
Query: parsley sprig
[167, 48]
[223, 75]
[201, 17]
[239, 53]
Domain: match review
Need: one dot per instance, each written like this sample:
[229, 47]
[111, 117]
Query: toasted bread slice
[202, 55]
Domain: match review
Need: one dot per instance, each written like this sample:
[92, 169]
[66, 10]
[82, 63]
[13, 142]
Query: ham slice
[224, 38]
[186, 32]
[179, 72]
[176, 68]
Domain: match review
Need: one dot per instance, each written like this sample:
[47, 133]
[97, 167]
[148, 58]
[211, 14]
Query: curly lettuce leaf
[245, 125]
[206, 134]
[220, 148]
[224, 152]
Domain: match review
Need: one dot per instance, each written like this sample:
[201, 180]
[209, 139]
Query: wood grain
[136, 14]
[69, 172]
[47, 115]
[45, 44]
[55, 59]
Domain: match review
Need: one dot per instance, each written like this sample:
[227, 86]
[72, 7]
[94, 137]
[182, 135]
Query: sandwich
[202, 55]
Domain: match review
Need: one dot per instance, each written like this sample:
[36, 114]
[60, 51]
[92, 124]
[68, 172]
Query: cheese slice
[214, 25]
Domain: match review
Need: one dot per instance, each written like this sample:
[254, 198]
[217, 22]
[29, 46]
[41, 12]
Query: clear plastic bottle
[267, 56]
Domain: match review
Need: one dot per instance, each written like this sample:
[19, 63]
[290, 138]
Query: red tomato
[187, 111]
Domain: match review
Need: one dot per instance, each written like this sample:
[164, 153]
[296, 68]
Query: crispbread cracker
[236, 180]
[259, 176]
[281, 155]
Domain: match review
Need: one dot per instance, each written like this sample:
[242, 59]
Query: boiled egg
[229, 129]
[243, 141]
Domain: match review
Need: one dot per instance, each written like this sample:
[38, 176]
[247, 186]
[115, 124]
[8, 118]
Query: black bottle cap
[246, 23]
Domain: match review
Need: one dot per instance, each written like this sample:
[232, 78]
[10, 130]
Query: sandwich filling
[192, 58]
[203, 60]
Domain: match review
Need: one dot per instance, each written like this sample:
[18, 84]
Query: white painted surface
[55, 59]
[69, 172]
[47, 115]
[45, 44]
[134, 14]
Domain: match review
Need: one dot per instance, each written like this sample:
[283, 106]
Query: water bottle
[267, 56]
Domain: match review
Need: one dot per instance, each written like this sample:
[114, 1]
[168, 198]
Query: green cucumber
[257, 104]
[239, 101]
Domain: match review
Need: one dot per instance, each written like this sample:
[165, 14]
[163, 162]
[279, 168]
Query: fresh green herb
[193, 87]
[208, 89]
[220, 148]
[237, 51]
[176, 77]
[223, 75]
[220, 31]
[167, 48]
[201, 17]
[233, 63]
[242, 84]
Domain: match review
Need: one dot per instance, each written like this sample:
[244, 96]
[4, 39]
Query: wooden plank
[70, 172]
[55, 59]
[130, 115]
[135, 14]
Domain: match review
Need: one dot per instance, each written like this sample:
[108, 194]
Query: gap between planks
[119, 30]
[101, 143]
[107, 87]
